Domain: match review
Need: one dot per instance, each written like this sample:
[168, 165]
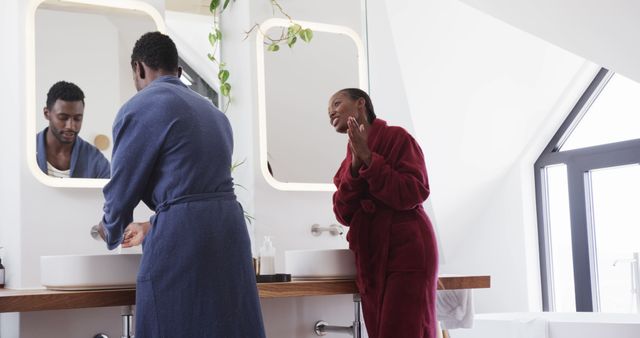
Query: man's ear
[45, 110]
[141, 71]
[179, 71]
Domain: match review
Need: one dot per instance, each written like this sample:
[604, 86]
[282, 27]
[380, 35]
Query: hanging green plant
[289, 36]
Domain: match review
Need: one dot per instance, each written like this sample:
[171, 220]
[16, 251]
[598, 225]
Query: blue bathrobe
[86, 160]
[172, 150]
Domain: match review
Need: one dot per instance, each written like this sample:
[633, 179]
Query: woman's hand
[358, 143]
[356, 163]
[135, 233]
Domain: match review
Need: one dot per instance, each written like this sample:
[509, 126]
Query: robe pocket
[407, 247]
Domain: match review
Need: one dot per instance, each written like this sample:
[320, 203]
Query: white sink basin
[320, 264]
[86, 272]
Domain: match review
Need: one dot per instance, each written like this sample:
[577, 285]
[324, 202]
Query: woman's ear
[361, 104]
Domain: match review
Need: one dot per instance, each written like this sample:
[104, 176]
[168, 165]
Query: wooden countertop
[39, 299]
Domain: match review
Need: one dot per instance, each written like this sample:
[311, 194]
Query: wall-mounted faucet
[95, 233]
[634, 272]
[333, 229]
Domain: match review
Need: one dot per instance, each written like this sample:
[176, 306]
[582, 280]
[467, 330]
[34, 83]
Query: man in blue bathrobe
[172, 150]
[60, 152]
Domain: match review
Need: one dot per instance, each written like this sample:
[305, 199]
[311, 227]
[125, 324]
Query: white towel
[454, 308]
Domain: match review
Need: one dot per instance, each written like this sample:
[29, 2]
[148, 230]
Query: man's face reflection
[65, 120]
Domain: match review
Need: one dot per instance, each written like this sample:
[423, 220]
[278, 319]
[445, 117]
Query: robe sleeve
[346, 199]
[400, 182]
[104, 167]
[134, 155]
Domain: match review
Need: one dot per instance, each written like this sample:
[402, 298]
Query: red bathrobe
[391, 235]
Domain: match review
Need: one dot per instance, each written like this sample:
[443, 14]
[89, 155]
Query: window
[614, 116]
[587, 181]
[193, 80]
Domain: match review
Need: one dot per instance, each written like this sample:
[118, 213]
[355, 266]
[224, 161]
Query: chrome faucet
[634, 264]
[333, 229]
[95, 233]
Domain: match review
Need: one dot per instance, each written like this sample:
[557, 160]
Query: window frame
[579, 163]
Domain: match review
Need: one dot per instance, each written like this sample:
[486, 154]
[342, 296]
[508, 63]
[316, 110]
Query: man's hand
[135, 233]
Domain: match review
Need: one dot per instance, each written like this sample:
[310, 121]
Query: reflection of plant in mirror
[289, 36]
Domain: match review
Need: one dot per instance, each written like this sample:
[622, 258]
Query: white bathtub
[552, 325]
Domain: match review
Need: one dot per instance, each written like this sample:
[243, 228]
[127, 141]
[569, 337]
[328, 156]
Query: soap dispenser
[267, 257]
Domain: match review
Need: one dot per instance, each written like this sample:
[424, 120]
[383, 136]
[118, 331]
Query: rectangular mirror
[299, 149]
[87, 43]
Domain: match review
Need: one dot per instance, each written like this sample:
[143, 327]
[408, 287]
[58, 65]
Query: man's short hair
[157, 51]
[65, 91]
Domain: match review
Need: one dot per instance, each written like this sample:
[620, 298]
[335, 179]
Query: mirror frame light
[262, 101]
[30, 83]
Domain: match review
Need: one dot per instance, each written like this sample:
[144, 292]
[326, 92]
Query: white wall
[605, 32]
[387, 88]
[484, 98]
[10, 170]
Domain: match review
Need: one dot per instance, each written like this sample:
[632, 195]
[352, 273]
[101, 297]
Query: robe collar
[374, 131]
[171, 79]
[42, 152]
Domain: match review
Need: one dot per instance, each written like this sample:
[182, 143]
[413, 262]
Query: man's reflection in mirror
[60, 151]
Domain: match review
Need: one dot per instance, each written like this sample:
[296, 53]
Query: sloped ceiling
[605, 32]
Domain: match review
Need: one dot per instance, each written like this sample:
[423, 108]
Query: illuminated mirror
[88, 43]
[299, 149]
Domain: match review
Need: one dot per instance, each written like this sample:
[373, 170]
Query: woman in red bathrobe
[381, 185]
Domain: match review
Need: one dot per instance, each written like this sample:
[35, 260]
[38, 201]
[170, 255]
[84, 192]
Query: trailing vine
[289, 36]
[247, 216]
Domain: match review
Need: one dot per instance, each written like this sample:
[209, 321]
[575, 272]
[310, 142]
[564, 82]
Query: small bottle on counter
[1, 273]
[267, 258]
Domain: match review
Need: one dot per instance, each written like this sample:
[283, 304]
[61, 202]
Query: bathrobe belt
[209, 196]
[369, 236]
